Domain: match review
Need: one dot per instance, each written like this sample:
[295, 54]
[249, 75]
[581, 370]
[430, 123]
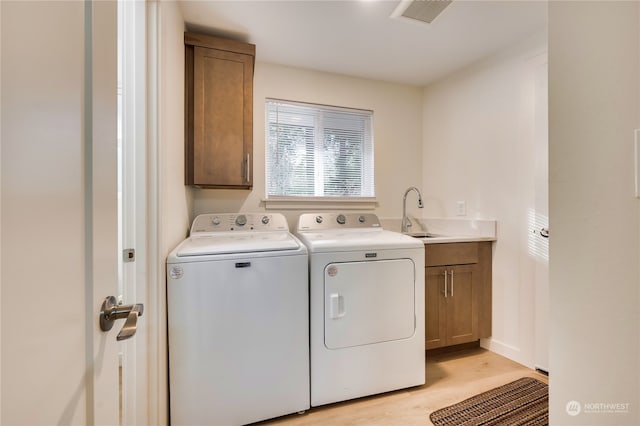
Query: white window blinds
[318, 151]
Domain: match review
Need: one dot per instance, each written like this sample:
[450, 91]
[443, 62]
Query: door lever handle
[111, 311]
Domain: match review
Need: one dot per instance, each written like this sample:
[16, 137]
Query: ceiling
[358, 38]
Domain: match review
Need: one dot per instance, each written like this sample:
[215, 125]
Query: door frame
[152, 402]
[147, 402]
[157, 353]
[0, 208]
[132, 17]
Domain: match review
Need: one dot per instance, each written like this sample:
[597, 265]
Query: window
[318, 151]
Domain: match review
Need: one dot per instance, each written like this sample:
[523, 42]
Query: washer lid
[354, 239]
[236, 242]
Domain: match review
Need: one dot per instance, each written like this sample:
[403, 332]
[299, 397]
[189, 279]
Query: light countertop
[454, 239]
[448, 230]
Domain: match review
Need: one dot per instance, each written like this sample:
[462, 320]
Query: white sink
[421, 235]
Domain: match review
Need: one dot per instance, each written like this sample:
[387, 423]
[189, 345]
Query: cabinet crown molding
[213, 42]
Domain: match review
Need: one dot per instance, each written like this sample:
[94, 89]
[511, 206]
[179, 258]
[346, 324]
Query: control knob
[341, 219]
[265, 220]
[318, 219]
[215, 221]
[241, 220]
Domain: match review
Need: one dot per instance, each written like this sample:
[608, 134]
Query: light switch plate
[461, 208]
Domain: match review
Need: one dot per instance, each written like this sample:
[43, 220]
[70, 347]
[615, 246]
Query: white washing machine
[237, 295]
[366, 307]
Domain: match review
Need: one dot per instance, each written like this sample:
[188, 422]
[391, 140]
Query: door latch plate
[129, 255]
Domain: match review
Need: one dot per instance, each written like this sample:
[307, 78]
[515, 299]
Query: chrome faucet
[406, 223]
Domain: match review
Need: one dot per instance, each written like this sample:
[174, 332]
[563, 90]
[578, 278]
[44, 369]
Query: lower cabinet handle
[452, 283]
[248, 170]
[445, 283]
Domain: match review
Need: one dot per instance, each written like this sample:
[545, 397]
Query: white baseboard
[507, 351]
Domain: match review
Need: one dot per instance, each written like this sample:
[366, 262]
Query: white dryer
[237, 295]
[366, 306]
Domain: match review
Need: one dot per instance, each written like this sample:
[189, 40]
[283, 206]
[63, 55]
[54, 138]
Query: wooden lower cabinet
[457, 296]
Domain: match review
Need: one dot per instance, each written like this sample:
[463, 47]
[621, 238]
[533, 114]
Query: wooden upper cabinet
[218, 112]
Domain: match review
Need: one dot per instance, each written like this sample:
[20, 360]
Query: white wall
[397, 132]
[175, 204]
[593, 110]
[479, 148]
[176, 197]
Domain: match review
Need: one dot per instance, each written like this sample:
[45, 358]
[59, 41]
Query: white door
[58, 212]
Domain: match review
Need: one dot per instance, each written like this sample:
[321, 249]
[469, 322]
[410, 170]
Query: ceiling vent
[420, 10]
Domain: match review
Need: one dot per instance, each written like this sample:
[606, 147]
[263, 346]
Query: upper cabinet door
[219, 114]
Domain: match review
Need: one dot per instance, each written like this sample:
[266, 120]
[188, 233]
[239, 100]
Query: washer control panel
[229, 222]
[322, 221]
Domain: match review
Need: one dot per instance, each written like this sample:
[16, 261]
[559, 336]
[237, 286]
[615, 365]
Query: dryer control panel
[228, 222]
[323, 221]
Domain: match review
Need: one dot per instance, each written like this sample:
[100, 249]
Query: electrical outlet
[461, 208]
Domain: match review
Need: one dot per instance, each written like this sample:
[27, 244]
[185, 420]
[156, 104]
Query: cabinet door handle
[248, 170]
[445, 283]
[452, 283]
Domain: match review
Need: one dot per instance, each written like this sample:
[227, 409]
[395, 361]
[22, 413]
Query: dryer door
[368, 302]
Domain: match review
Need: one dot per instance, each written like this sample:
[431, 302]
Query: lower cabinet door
[435, 308]
[451, 305]
[462, 305]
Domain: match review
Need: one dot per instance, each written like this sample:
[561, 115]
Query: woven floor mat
[523, 402]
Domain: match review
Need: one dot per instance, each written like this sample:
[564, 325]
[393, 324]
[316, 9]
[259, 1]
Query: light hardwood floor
[451, 378]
